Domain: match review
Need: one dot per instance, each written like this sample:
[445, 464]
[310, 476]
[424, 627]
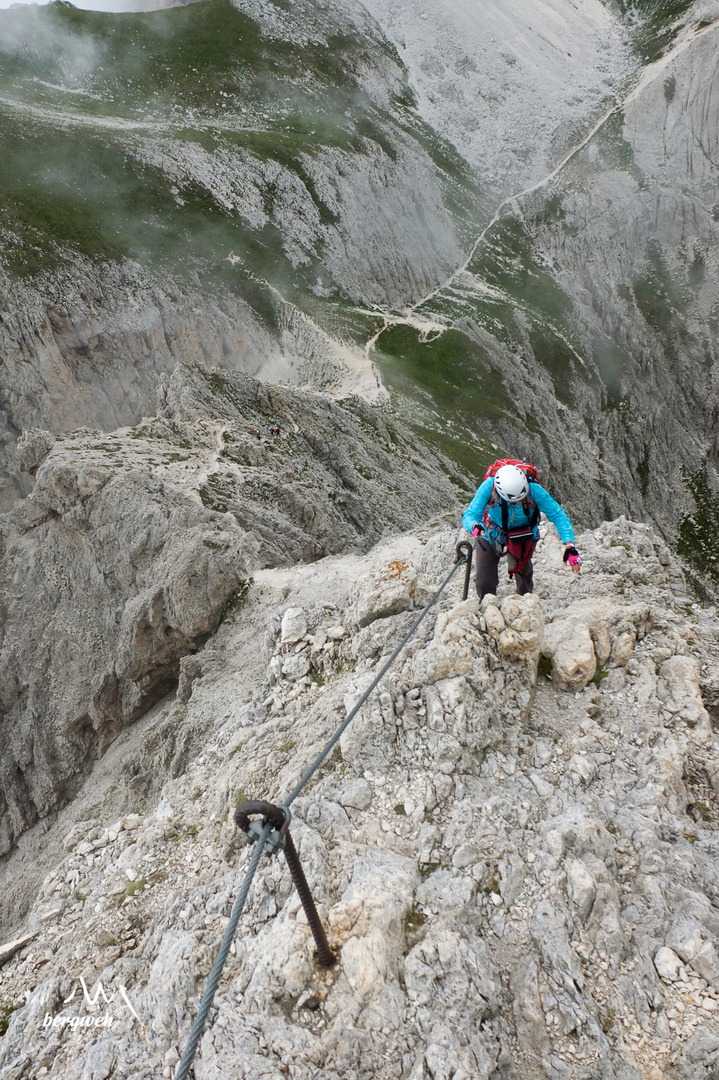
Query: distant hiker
[504, 514]
[256, 431]
[277, 431]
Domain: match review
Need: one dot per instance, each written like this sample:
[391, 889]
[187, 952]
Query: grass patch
[609, 1020]
[545, 667]
[414, 920]
[136, 886]
[453, 381]
[615, 149]
[696, 541]
[116, 125]
[660, 298]
[600, 673]
[235, 602]
[653, 24]
[492, 886]
[427, 869]
[6, 1012]
[699, 811]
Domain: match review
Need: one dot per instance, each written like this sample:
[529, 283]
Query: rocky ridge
[514, 851]
[134, 545]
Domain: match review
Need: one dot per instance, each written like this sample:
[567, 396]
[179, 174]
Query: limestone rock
[438, 662]
[33, 446]
[491, 859]
[9, 948]
[678, 689]
[493, 618]
[129, 553]
[357, 794]
[294, 626]
[667, 964]
[569, 644]
[581, 886]
[706, 963]
[685, 938]
[388, 591]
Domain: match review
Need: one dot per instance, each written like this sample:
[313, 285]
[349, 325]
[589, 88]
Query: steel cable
[312, 769]
[216, 973]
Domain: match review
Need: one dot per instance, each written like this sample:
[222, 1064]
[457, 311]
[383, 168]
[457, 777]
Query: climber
[504, 516]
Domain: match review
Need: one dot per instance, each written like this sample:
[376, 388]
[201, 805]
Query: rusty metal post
[464, 554]
[280, 838]
[324, 954]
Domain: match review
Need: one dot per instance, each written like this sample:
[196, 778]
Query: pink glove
[571, 556]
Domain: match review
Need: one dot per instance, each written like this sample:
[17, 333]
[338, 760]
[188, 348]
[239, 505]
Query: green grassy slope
[84, 95]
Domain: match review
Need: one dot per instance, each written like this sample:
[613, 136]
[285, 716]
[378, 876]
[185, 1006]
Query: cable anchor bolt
[464, 555]
[280, 817]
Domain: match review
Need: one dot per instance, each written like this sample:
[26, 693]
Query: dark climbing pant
[488, 572]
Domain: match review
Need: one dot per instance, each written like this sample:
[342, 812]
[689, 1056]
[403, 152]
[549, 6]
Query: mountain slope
[132, 547]
[205, 183]
[518, 873]
[589, 301]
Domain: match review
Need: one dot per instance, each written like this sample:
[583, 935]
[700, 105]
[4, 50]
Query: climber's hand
[571, 556]
[476, 531]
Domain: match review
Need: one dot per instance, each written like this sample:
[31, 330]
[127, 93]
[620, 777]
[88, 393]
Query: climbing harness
[273, 834]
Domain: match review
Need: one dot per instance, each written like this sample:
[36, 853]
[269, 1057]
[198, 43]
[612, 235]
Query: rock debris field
[513, 851]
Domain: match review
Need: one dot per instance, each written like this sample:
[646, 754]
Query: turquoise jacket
[516, 517]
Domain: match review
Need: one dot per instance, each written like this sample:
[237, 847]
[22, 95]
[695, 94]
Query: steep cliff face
[582, 325]
[524, 198]
[133, 545]
[512, 84]
[514, 859]
[176, 184]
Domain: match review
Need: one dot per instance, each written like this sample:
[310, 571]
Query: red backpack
[531, 471]
[520, 542]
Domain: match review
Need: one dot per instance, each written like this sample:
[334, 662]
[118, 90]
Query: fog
[107, 5]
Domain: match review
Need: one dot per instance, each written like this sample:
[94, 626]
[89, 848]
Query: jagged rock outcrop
[518, 881]
[91, 350]
[132, 545]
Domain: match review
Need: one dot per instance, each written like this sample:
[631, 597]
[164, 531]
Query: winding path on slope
[425, 325]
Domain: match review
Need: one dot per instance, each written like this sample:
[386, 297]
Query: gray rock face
[516, 879]
[636, 250]
[535, 69]
[110, 576]
[130, 547]
[358, 204]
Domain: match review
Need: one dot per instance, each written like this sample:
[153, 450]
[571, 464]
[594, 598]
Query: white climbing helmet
[511, 484]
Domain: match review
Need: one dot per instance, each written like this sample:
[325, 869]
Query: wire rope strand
[216, 973]
[312, 769]
[238, 907]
